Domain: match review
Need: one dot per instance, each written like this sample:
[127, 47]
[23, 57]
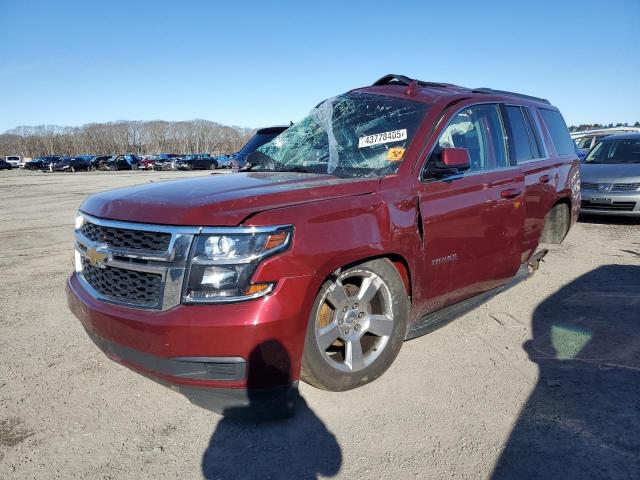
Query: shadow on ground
[274, 437]
[583, 418]
[608, 219]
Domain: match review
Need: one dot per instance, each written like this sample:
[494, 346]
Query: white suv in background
[14, 160]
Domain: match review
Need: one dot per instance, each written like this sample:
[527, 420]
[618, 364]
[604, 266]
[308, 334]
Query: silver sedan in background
[611, 177]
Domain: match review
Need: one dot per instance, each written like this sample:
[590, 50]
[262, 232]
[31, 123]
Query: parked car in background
[98, 162]
[41, 163]
[611, 177]
[163, 161]
[262, 136]
[14, 160]
[588, 139]
[50, 164]
[200, 161]
[224, 161]
[385, 213]
[115, 162]
[579, 152]
[73, 164]
[145, 163]
[4, 165]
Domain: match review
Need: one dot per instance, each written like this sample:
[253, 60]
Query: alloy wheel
[355, 320]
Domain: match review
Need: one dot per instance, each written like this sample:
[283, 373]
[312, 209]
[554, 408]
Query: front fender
[330, 234]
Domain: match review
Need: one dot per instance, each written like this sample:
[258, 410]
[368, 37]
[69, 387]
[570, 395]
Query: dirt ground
[541, 382]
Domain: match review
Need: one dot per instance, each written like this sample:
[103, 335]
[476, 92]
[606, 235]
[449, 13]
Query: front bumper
[610, 203]
[220, 356]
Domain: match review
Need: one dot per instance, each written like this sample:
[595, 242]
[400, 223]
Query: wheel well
[557, 222]
[397, 261]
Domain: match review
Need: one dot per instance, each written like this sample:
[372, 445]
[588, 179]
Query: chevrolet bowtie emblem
[95, 257]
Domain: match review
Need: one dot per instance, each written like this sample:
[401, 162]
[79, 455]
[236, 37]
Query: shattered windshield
[352, 135]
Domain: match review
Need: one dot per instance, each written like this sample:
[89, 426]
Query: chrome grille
[135, 265]
[616, 187]
[136, 288]
[587, 186]
[614, 206]
[125, 238]
[625, 187]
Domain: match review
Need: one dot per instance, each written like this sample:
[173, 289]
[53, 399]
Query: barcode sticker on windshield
[384, 137]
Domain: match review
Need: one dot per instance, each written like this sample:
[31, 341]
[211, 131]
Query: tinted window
[615, 151]
[519, 141]
[479, 130]
[585, 142]
[537, 147]
[558, 131]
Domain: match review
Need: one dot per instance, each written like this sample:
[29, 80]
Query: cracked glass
[352, 135]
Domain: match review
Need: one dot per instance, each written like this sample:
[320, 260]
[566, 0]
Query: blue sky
[262, 63]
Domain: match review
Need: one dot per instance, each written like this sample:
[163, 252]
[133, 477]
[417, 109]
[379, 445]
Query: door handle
[510, 193]
[545, 178]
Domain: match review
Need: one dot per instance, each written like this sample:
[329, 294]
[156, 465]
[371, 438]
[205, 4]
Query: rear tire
[356, 328]
[214, 165]
[556, 224]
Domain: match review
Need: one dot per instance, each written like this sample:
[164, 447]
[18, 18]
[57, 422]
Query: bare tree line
[137, 137]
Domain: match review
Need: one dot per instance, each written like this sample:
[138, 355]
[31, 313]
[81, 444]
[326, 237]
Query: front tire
[356, 328]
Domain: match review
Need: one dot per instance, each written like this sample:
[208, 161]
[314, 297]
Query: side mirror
[454, 158]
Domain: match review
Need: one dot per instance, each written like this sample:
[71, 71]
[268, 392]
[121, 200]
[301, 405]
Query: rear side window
[519, 141]
[558, 131]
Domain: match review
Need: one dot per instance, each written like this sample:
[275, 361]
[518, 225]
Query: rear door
[549, 142]
[472, 231]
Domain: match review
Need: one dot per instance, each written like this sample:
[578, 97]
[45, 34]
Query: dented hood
[220, 200]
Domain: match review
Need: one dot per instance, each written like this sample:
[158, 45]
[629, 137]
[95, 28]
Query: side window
[478, 129]
[537, 146]
[519, 143]
[558, 131]
[585, 142]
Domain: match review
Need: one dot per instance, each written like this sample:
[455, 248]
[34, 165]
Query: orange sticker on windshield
[395, 154]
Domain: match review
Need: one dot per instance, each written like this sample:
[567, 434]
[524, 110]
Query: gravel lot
[541, 382]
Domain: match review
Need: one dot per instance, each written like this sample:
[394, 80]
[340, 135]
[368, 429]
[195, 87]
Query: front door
[472, 219]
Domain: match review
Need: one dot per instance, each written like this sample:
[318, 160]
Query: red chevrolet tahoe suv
[385, 213]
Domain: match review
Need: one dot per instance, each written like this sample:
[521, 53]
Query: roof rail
[491, 91]
[395, 79]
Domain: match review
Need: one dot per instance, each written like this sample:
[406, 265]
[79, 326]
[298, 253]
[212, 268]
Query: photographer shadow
[583, 418]
[276, 435]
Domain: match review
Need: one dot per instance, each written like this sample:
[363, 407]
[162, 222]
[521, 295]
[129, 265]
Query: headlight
[223, 262]
[79, 221]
